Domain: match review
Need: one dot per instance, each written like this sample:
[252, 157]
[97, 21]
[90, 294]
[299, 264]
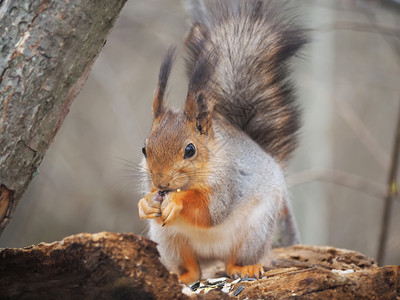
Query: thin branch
[391, 42]
[354, 122]
[363, 133]
[392, 191]
[340, 178]
[363, 27]
[392, 185]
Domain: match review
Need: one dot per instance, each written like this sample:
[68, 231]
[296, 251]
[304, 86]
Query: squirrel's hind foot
[190, 265]
[189, 277]
[253, 271]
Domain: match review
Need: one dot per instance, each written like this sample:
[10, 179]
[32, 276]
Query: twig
[395, 46]
[392, 191]
[354, 122]
[338, 177]
[363, 27]
[392, 185]
[363, 133]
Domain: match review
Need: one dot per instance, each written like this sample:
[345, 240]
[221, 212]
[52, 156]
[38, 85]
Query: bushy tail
[253, 42]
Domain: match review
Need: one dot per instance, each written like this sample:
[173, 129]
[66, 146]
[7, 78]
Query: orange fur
[190, 265]
[195, 206]
[165, 148]
[234, 270]
[254, 271]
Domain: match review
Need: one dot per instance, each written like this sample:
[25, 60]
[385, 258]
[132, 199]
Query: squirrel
[214, 169]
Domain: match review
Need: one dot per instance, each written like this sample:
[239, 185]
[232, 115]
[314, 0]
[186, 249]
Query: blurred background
[349, 88]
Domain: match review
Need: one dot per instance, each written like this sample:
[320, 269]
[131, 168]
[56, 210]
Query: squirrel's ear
[198, 110]
[199, 104]
[165, 70]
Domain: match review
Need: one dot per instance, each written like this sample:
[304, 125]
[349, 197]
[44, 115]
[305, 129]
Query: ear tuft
[199, 104]
[165, 70]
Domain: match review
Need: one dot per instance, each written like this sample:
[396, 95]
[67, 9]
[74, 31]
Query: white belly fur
[218, 241]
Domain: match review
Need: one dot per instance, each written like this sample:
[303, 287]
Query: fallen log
[125, 266]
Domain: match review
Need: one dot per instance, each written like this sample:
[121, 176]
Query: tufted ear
[165, 70]
[199, 104]
[198, 110]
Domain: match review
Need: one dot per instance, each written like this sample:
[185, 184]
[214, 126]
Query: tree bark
[87, 266]
[125, 266]
[47, 48]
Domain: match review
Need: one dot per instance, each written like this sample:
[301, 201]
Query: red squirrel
[215, 168]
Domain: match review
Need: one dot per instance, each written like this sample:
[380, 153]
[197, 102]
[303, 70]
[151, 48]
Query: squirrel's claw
[148, 207]
[170, 212]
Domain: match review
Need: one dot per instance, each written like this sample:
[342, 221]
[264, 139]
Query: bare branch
[392, 191]
[340, 178]
[392, 185]
[354, 122]
[363, 27]
[363, 133]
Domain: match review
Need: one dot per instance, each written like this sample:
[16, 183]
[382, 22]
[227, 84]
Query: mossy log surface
[125, 266]
[47, 48]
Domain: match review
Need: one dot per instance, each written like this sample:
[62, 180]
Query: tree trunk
[125, 266]
[47, 48]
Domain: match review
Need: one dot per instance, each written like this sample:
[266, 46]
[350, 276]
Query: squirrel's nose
[162, 186]
[161, 181]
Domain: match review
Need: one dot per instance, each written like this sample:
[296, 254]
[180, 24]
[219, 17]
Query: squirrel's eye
[190, 150]
[144, 151]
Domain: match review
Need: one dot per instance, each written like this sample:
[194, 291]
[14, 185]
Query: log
[87, 266]
[47, 48]
[126, 266]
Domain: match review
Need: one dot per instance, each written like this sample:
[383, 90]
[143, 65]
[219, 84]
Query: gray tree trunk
[47, 48]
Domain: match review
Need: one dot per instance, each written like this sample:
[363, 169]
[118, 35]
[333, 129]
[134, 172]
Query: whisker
[146, 228]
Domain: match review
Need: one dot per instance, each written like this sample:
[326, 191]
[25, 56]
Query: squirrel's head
[177, 149]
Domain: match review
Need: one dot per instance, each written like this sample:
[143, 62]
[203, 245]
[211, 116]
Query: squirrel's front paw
[170, 210]
[149, 207]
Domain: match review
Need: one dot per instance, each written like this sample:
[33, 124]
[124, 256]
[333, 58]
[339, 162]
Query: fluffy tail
[253, 42]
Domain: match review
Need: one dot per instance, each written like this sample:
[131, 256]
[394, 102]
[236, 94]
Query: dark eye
[144, 151]
[190, 150]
